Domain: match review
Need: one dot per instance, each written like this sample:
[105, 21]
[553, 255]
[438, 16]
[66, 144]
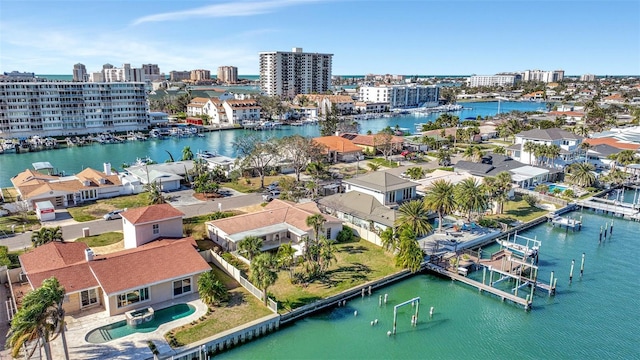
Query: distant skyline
[396, 37]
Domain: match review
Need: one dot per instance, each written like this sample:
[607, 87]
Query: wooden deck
[480, 286]
[615, 207]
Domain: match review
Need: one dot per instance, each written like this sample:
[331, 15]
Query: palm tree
[286, 257]
[616, 176]
[625, 158]
[251, 246]
[155, 193]
[187, 154]
[46, 235]
[41, 318]
[539, 151]
[529, 147]
[316, 222]
[409, 255]
[581, 174]
[553, 151]
[473, 153]
[263, 273]
[470, 196]
[415, 173]
[585, 146]
[581, 130]
[490, 186]
[440, 199]
[444, 157]
[327, 253]
[373, 166]
[414, 215]
[211, 290]
[500, 150]
[504, 183]
[389, 239]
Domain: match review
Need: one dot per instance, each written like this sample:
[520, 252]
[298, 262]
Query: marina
[462, 322]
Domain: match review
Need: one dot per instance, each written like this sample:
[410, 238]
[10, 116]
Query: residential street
[182, 200]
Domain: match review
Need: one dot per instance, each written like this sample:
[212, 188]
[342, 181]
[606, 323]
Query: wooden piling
[582, 266]
[571, 271]
[551, 283]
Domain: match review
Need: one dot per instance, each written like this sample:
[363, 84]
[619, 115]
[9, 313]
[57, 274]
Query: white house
[388, 189]
[238, 111]
[145, 224]
[568, 142]
[279, 222]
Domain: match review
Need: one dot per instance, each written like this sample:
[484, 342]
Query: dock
[526, 303]
[566, 222]
[626, 210]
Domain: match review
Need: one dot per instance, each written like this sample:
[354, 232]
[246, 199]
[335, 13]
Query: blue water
[559, 187]
[120, 329]
[73, 160]
[593, 318]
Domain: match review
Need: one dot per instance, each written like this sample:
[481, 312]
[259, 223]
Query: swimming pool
[120, 329]
[552, 187]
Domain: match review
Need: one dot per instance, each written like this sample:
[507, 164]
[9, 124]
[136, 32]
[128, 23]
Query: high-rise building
[493, 80]
[200, 74]
[401, 96]
[60, 108]
[543, 76]
[228, 74]
[151, 72]
[291, 73]
[179, 75]
[124, 74]
[80, 72]
[588, 77]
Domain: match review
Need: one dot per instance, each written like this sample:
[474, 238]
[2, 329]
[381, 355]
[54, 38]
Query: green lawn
[102, 239]
[382, 162]
[21, 223]
[249, 185]
[357, 262]
[194, 226]
[241, 309]
[97, 209]
[518, 210]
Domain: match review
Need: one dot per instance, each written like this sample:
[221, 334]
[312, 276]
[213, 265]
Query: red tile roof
[613, 142]
[337, 143]
[151, 213]
[156, 262]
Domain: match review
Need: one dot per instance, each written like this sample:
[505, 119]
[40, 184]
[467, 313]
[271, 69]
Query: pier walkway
[480, 286]
[615, 207]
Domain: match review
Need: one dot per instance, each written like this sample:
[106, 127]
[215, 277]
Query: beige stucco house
[145, 224]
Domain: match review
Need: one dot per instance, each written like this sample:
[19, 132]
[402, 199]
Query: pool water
[552, 187]
[120, 329]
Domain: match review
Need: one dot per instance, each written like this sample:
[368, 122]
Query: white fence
[366, 234]
[232, 271]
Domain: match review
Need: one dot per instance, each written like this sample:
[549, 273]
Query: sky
[420, 37]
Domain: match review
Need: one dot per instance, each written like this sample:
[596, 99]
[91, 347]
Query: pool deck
[133, 346]
[450, 240]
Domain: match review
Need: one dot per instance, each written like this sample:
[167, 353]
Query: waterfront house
[372, 107]
[568, 142]
[197, 106]
[388, 189]
[63, 191]
[361, 212]
[343, 104]
[167, 175]
[158, 267]
[339, 149]
[368, 142]
[280, 222]
[522, 175]
[238, 111]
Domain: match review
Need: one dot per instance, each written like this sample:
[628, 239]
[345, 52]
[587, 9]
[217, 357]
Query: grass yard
[518, 210]
[21, 224]
[194, 226]
[9, 194]
[358, 261]
[97, 209]
[104, 239]
[382, 162]
[241, 309]
[249, 185]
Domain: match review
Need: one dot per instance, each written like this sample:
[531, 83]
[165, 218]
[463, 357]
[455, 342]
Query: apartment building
[401, 96]
[71, 108]
[543, 76]
[493, 80]
[80, 72]
[290, 73]
[179, 75]
[228, 74]
[200, 74]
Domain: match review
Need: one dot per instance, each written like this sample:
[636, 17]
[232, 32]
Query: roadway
[181, 200]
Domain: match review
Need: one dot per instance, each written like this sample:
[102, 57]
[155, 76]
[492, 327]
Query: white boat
[519, 249]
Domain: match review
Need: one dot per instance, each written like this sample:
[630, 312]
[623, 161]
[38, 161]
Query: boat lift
[415, 300]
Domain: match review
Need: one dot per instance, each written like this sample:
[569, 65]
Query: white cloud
[55, 51]
[230, 9]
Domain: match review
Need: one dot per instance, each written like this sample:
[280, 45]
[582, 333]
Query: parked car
[273, 186]
[113, 215]
[273, 194]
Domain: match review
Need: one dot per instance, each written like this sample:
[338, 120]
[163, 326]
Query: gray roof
[499, 163]
[515, 147]
[380, 181]
[603, 150]
[360, 205]
[549, 134]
